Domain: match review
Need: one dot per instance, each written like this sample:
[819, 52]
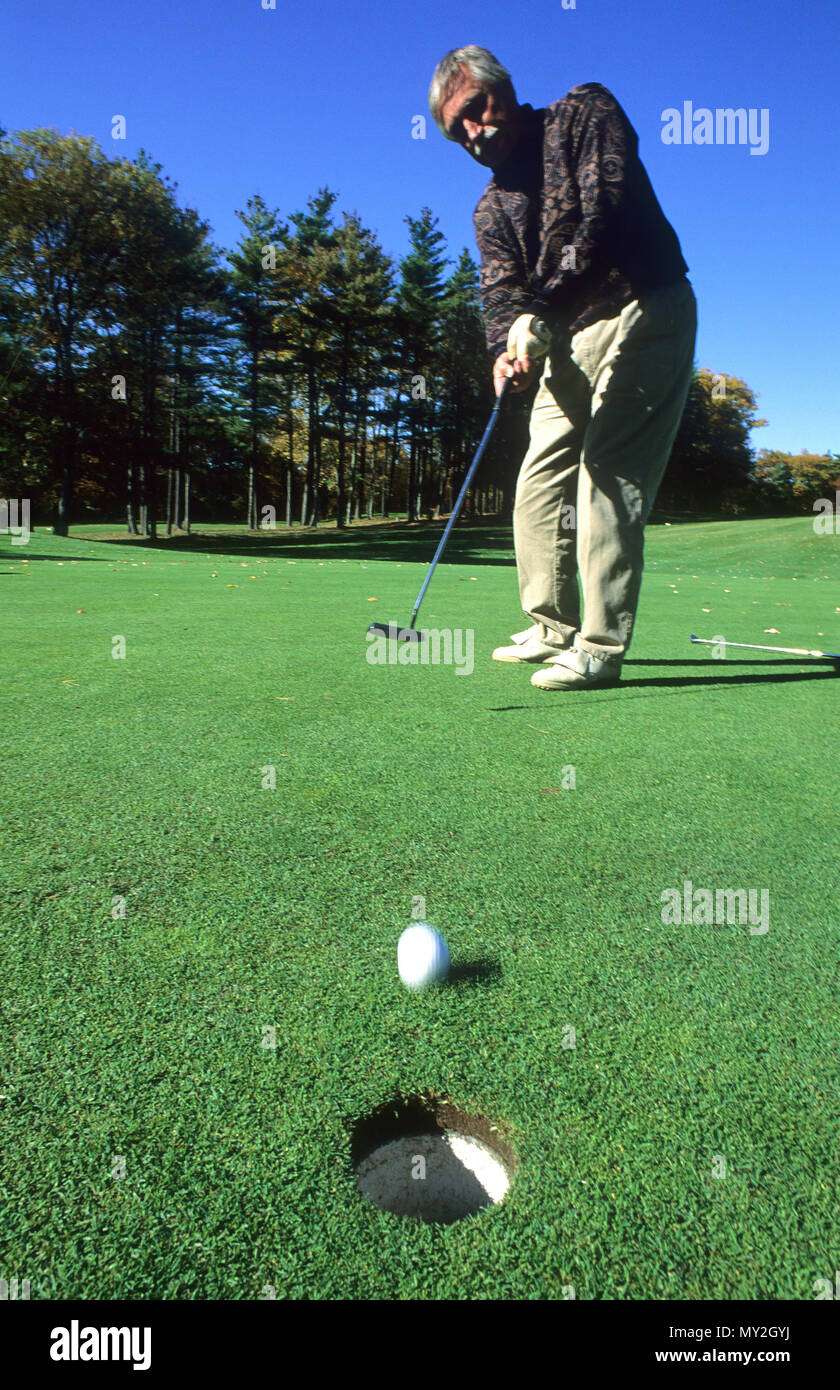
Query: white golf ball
[422, 956]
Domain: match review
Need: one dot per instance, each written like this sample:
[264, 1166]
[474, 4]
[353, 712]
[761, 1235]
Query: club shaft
[753, 647]
[479, 454]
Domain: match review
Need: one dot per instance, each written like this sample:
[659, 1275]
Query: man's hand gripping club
[528, 341]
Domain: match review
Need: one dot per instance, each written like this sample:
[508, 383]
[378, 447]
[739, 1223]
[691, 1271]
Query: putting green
[212, 843]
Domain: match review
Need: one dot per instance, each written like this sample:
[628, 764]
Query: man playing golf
[584, 286]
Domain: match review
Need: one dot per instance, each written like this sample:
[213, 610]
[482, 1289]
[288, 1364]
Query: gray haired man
[583, 286]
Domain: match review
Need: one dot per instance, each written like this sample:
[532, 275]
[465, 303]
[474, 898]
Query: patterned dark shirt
[573, 180]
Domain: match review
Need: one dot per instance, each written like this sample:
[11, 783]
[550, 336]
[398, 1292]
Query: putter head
[394, 632]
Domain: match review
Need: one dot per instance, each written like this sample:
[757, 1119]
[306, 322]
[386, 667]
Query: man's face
[483, 120]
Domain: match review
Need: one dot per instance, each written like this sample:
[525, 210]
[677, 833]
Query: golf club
[751, 646]
[408, 634]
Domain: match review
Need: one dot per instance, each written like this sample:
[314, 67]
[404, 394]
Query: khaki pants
[603, 423]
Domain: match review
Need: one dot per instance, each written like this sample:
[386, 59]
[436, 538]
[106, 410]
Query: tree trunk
[144, 507]
[372, 478]
[291, 464]
[148, 480]
[65, 397]
[311, 449]
[131, 520]
[171, 496]
[316, 486]
[388, 491]
[252, 465]
[352, 488]
[341, 501]
[152, 515]
[411, 500]
[361, 444]
[68, 474]
[252, 501]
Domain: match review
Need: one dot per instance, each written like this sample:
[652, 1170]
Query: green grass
[247, 908]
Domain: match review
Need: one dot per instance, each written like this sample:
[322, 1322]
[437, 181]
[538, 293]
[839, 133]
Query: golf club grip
[471, 471]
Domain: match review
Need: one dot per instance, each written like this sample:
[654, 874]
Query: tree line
[147, 372]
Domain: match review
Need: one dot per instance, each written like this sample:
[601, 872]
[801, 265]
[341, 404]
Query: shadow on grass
[481, 970]
[656, 683]
[56, 559]
[742, 679]
[470, 543]
[734, 661]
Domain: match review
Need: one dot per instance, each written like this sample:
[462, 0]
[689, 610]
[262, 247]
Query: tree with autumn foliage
[711, 462]
[794, 482]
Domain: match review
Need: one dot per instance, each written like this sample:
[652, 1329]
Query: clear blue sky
[232, 99]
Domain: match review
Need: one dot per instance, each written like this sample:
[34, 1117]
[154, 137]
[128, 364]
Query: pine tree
[305, 331]
[255, 301]
[164, 299]
[466, 379]
[419, 302]
[360, 283]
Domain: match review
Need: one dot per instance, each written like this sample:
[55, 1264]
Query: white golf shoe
[577, 669]
[529, 646]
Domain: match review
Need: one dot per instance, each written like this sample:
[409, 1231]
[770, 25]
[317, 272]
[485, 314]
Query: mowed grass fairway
[686, 1147]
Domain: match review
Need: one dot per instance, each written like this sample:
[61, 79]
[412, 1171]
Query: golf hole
[426, 1159]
